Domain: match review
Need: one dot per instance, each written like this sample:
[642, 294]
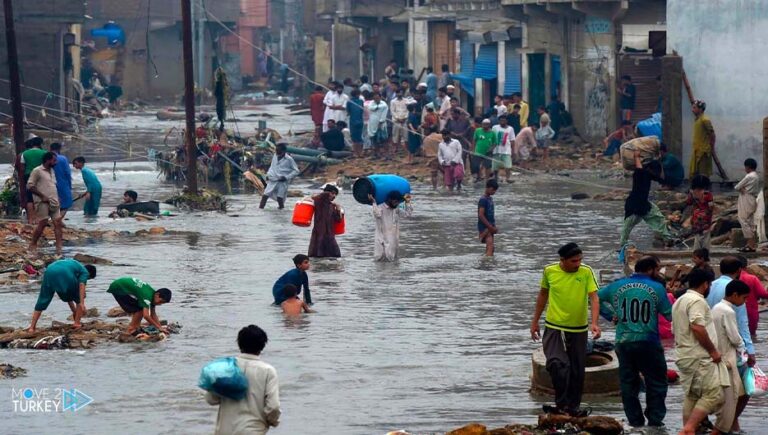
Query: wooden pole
[15, 92]
[189, 96]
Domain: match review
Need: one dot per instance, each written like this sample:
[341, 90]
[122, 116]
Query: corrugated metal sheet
[643, 69]
[486, 63]
[512, 68]
[465, 76]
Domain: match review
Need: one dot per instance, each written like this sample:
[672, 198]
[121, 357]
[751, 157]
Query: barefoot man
[67, 278]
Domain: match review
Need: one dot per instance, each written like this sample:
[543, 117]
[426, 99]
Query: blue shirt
[486, 202]
[355, 111]
[63, 181]
[92, 183]
[716, 294]
[637, 302]
[295, 276]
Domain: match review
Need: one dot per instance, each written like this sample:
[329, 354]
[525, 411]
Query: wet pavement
[429, 343]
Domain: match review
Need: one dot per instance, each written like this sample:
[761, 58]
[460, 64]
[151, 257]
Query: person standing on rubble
[703, 141]
[282, 170]
[565, 289]
[67, 278]
[637, 207]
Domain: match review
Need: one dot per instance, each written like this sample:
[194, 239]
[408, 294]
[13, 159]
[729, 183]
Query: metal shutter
[465, 76]
[486, 63]
[512, 68]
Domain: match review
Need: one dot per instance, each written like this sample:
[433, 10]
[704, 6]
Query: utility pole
[189, 95]
[15, 83]
[200, 28]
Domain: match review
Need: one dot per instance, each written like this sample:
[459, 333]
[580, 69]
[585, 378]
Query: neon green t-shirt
[485, 141]
[567, 307]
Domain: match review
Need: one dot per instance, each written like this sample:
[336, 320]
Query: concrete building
[149, 63]
[478, 40]
[47, 37]
[720, 43]
[579, 49]
[361, 38]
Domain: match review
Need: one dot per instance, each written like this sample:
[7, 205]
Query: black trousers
[646, 358]
[566, 354]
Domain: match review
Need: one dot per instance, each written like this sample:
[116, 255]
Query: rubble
[18, 264]
[548, 424]
[117, 312]
[64, 336]
[8, 371]
[205, 200]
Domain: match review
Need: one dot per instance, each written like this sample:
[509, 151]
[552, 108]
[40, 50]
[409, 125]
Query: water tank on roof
[114, 33]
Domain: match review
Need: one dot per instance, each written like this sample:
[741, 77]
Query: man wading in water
[565, 288]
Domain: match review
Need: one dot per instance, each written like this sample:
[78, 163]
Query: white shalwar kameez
[285, 167]
[387, 238]
[333, 98]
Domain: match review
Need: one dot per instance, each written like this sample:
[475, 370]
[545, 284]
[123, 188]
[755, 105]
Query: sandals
[746, 249]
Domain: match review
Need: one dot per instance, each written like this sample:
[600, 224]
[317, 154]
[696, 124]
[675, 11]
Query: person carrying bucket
[387, 216]
[327, 213]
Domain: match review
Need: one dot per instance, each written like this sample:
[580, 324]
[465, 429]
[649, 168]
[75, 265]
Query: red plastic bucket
[339, 227]
[303, 212]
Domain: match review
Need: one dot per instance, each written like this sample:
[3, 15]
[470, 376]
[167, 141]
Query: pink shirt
[756, 291]
[665, 326]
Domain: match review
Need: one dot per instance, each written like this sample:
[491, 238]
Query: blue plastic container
[113, 32]
[379, 185]
[650, 126]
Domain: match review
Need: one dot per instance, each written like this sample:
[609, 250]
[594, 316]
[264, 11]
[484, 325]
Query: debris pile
[9, 198]
[204, 200]
[64, 336]
[548, 424]
[18, 264]
[8, 371]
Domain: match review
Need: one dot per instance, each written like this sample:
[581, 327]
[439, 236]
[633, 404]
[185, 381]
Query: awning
[486, 63]
[466, 81]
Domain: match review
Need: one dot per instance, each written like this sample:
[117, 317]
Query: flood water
[432, 342]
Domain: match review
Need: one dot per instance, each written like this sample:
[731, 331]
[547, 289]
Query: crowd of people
[713, 321]
[711, 325]
[381, 118]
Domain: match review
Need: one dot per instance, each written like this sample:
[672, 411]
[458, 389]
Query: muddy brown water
[429, 343]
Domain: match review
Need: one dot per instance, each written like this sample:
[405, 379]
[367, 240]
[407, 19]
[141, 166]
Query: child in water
[293, 306]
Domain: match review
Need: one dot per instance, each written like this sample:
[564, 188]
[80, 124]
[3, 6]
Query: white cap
[31, 136]
[486, 121]
[450, 87]
[421, 85]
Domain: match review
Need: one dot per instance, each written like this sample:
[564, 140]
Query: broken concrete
[65, 336]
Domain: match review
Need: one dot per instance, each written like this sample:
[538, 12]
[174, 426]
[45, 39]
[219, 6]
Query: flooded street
[430, 343]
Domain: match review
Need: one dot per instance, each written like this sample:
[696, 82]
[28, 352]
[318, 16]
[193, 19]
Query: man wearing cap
[565, 289]
[703, 141]
[485, 140]
[29, 160]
